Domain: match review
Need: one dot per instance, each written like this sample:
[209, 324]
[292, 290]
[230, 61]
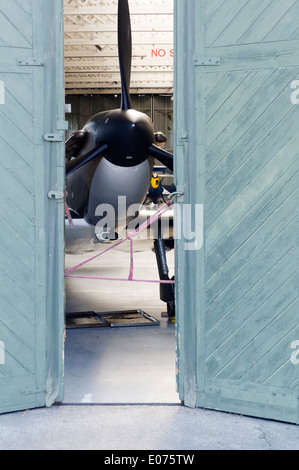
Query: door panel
[241, 140]
[24, 240]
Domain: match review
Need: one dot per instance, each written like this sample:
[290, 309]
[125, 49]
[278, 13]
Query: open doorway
[120, 364]
[123, 363]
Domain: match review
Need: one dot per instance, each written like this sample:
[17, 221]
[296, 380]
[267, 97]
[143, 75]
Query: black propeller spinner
[125, 137]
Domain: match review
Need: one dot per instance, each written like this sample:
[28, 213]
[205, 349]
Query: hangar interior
[123, 364]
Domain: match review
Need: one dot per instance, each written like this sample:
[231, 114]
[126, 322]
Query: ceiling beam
[101, 38]
[116, 91]
[114, 78]
[155, 52]
[110, 70]
[147, 9]
[104, 62]
[105, 23]
[91, 52]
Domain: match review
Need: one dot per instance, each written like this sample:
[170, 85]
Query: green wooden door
[237, 137]
[31, 237]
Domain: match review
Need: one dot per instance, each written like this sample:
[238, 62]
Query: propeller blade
[125, 51]
[164, 157]
[77, 163]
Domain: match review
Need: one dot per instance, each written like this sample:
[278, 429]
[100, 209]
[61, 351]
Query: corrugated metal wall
[31, 238]
[237, 154]
[158, 107]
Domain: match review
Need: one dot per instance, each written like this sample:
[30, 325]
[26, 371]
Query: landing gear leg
[166, 290]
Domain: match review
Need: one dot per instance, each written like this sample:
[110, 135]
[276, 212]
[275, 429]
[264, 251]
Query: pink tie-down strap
[68, 214]
[130, 237]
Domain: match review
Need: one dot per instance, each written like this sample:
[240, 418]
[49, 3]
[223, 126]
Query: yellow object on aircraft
[155, 181]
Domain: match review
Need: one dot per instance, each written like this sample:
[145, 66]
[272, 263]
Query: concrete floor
[120, 385]
[123, 364]
[151, 429]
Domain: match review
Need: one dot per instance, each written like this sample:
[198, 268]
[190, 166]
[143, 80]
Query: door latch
[56, 195]
[176, 194]
[54, 137]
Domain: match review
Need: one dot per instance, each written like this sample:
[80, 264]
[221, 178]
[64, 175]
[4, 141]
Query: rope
[130, 237]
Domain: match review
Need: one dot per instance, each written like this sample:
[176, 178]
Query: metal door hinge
[202, 61]
[54, 137]
[30, 62]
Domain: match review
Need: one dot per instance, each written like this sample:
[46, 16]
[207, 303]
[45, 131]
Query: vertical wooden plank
[179, 169]
[188, 170]
[54, 167]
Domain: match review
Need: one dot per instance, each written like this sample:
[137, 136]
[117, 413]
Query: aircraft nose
[128, 135]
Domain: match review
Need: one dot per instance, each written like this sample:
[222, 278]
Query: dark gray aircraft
[113, 156]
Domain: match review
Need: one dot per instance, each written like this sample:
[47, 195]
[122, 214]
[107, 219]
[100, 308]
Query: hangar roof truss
[91, 53]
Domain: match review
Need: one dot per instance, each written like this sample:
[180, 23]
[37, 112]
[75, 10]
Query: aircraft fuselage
[123, 172]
